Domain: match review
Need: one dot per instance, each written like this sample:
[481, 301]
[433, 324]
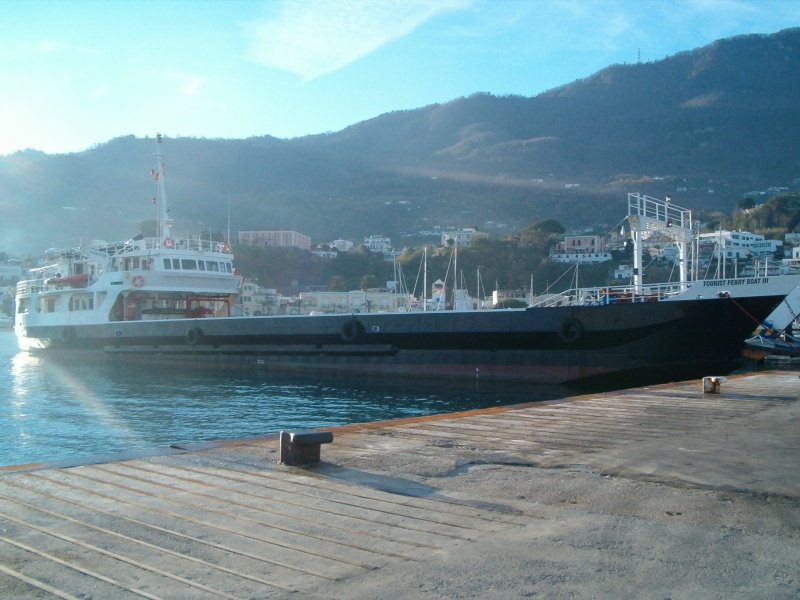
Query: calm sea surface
[51, 411]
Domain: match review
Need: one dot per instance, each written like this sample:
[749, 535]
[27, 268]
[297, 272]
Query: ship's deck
[650, 492]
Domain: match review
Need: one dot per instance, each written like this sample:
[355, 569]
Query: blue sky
[73, 74]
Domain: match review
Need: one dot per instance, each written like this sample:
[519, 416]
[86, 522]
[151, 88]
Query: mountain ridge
[718, 120]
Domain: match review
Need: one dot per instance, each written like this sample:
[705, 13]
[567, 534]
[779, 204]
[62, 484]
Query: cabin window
[201, 264]
[325, 302]
[81, 302]
[167, 263]
[189, 264]
[48, 304]
[101, 297]
[212, 265]
[22, 307]
[228, 267]
[176, 263]
[135, 263]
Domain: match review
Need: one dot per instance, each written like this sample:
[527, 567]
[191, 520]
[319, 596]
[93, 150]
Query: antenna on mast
[164, 222]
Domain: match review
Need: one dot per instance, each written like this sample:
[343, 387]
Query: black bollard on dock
[302, 447]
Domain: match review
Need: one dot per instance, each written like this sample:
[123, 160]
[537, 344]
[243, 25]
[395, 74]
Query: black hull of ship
[615, 345]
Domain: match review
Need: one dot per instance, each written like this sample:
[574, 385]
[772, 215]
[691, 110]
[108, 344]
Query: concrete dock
[658, 492]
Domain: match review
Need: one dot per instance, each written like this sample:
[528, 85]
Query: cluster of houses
[738, 248]
[727, 246]
[375, 243]
[741, 249]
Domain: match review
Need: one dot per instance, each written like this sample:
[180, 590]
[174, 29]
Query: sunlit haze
[78, 73]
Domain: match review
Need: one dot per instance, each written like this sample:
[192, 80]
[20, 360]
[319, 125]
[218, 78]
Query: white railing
[118, 248]
[31, 286]
[659, 210]
[607, 295]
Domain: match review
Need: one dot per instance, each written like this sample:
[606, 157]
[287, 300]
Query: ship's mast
[164, 221]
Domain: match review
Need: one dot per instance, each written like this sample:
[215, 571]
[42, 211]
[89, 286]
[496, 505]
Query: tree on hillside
[778, 215]
[547, 226]
[745, 203]
[368, 282]
[337, 284]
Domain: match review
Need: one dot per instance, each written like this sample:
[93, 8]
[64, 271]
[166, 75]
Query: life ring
[571, 331]
[137, 281]
[226, 248]
[168, 243]
[194, 335]
[351, 330]
[67, 334]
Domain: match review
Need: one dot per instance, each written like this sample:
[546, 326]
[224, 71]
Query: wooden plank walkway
[228, 522]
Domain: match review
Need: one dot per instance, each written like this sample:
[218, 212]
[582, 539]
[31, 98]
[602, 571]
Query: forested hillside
[705, 126]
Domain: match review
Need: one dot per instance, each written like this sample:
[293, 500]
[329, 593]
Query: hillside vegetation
[776, 217]
[706, 126]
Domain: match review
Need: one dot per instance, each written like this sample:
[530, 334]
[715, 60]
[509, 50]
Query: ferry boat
[138, 280]
[167, 300]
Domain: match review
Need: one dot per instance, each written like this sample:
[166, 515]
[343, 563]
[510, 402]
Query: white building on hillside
[463, 237]
[275, 237]
[794, 261]
[342, 245]
[739, 244]
[623, 272]
[324, 253]
[378, 243]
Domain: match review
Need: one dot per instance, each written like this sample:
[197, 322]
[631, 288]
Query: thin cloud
[101, 91]
[46, 47]
[186, 83]
[314, 38]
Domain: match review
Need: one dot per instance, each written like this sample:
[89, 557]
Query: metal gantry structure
[646, 213]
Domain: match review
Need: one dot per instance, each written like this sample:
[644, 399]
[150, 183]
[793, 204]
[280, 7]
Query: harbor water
[52, 411]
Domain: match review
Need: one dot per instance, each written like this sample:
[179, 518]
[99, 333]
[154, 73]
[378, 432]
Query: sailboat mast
[455, 273]
[425, 280]
[531, 292]
[478, 288]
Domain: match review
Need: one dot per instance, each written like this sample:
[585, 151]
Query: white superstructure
[141, 279]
